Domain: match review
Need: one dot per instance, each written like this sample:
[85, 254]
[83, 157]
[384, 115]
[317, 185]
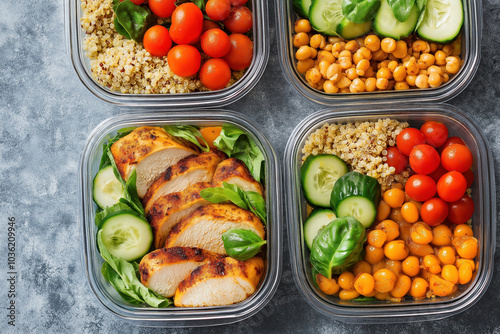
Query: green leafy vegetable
[189, 133]
[237, 144]
[360, 11]
[421, 5]
[338, 246]
[105, 161]
[122, 275]
[131, 20]
[242, 244]
[118, 207]
[219, 195]
[401, 8]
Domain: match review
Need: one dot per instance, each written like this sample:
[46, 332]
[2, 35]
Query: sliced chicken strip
[234, 171]
[224, 282]
[168, 210]
[204, 227]
[164, 269]
[188, 171]
[148, 150]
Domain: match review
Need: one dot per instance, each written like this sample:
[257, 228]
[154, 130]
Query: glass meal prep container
[483, 220]
[176, 316]
[81, 64]
[471, 51]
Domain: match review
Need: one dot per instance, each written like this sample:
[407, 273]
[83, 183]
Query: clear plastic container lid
[178, 317]
[483, 220]
[471, 52]
[81, 64]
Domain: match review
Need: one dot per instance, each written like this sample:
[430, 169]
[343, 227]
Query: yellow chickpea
[394, 197]
[433, 47]
[411, 266]
[401, 85]
[466, 246]
[328, 47]
[409, 211]
[441, 235]
[388, 45]
[435, 80]
[447, 49]
[370, 72]
[385, 280]
[419, 288]
[426, 60]
[452, 65]
[403, 285]
[440, 57]
[314, 52]
[465, 273]
[392, 65]
[371, 84]
[325, 55]
[345, 90]
[304, 65]
[411, 79]
[344, 82]
[422, 81]
[364, 284]
[345, 62]
[351, 73]
[382, 64]
[323, 66]
[379, 55]
[302, 26]
[447, 255]
[352, 46]
[328, 286]
[461, 261]
[333, 39]
[346, 281]
[420, 46]
[435, 69]
[372, 43]
[330, 87]
[411, 66]
[376, 238]
[361, 267]
[421, 233]
[303, 53]
[450, 273]
[395, 266]
[300, 39]
[390, 227]
[396, 250]
[382, 295]
[382, 83]
[334, 73]
[463, 230]
[348, 295]
[401, 49]
[317, 41]
[383, 208]
[345, 53]
[363, 65]
[446, 77]
[357, 86]
[373, 254]
[313, 75]
[365, 53]
[399, 73]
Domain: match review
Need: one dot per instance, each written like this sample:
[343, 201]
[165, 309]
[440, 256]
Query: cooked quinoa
[124, 65]
[362, 145]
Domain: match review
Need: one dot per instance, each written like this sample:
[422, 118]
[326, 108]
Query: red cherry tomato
[409, 138]
[184, 60]
[440, 171]
[187, 23]
[162, 8]
[451, 186]
[207, 25]
[449, 141]
[136, 2]
[396, 159]
[236, 3]
[461, 211]
[420, 187]
[239, 20]
[469, 176]
[215, 74]
[434, 211]
[457, 157]
[215, 43]
[218, 10]
[435, 133]
[241, 53]
[424, 159]
[157, 41]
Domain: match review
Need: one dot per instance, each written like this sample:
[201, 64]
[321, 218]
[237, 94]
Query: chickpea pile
[369, 64]
[406, 257]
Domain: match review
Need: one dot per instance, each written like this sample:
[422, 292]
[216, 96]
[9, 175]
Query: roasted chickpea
[403, 285]
[401, 85]
[409, 212]
[361, 267]
[401, 49]
[346, 281]
[364, 284]
[333, 39]
[441, 235]
[462, 230]
[303, 53]
[384, 72]
[395, 266]
[373, 254]
[323, 65]
[465, 273]
[426, 60]
[385, 280]
[334, 73]
[371, 84]
[390, 227]
[466, 246]
[440, 58]
[411, 266]
[304, 65]
[345, 62]
[300, 39]
[422, 81]
[351, 73]
[352, 46]
[313, 75]
[348, 294]
[450, 273]
[325, 55]
[396, 250]
[330, 87]
[410, 80]
[317, 41]
[419, 288]
[452, 65]
[302, 26]
[372, 43]
[420, 46]
[357, 86]
[344, 82]
[421, 233]
[388, 45]
[376, 238]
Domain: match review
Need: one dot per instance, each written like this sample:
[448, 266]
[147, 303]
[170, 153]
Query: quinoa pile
[124, 65]
[362, 145]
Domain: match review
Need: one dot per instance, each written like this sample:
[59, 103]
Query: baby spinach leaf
[189, 133]
[132, 18]
[105, 161]
[401, 8]
[422, 6]
[242, 244]
[131, 194]
[360, 11]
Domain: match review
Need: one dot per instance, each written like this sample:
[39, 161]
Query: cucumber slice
[318, 176]
[107, 189]
[351, 30]
[326, 15]
[316, 220]
[302, 7]
[442, 21]
[386, 24]
[126, 235]
[358, 207]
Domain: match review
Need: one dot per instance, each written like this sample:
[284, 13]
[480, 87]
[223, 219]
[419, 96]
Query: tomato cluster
[442, 172]
[193, 34]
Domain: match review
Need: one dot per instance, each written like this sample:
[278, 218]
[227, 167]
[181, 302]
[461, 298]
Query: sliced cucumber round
[107, 189]
[326, 15]
[386, 24]
[302, 7]
[318, 176]
[316, 220]
[358, 207]
[442, 21]
[350, 30]
[126, 235]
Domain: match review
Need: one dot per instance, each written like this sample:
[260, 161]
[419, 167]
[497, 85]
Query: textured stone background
[46, 115]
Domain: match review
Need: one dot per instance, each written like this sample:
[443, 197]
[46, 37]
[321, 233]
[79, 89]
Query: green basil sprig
[189, 133]
[360, 11]
[242, 244]
[401, 8]
[131, 20]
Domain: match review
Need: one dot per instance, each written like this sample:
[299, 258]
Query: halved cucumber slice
[126, 235]
[302, 7]
[351, 30]
[318, 176]
[358, 207]
[386, 24]
[442, 20]
[107, 189]
[326, 15]
[316, 220]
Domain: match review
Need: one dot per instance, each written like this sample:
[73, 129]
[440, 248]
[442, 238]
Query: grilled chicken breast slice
[234, 171]
[164, 269]
[188, 171]
[223, 282]
[148, 150]
[203, 228]
[168, 210]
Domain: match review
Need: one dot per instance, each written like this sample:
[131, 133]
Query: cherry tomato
[409, 138]
[207, 25]
[215, 43]
[434, 211]
[236, 3]
[424, 159]
[435, 133]
[420, 187]
[449, 141]
[239, 20]
[184, 60]
[469, 176]
[451, 186]
[157, 41]
[461, 211]
[396, 159]
[218, 10]
[136, 2]
[440, 171]
[457, 157]
[162, 8]
[241, 53]
[215, 74]
[187, 23]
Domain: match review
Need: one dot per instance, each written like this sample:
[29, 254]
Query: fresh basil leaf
[133, 18]
[360, 11]
[105, 158]
[256, 204]
[401, 8]
[189, 133]
[219, 195]
[242, 244]
[422, 6]
[99, 217]
[120, 29]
